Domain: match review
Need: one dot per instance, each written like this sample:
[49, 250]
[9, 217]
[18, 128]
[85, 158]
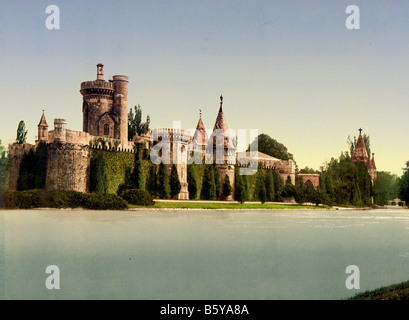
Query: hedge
[37, 198]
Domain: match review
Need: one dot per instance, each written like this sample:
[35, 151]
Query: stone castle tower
[226, 166]
[105, 106]
[361, 155]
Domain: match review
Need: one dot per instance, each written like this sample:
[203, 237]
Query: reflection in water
[200, 254]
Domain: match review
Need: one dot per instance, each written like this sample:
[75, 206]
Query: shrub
[60, 199]
[138, 197]
[104, 202]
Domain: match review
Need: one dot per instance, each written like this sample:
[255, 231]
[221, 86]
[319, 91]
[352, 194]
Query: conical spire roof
[43, 122]
[221, 124]
[220, 120]
[360, 154]
[200, 136]
[373, 166]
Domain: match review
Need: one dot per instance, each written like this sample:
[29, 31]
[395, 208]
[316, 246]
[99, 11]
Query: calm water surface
[200, 254]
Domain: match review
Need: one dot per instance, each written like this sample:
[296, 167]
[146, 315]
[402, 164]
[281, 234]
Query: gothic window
[106, 129]
[309, 184]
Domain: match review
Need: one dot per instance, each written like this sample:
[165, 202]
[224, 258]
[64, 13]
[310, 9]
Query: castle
[105, 115]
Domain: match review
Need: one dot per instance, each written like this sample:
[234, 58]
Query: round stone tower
[105, 106]
[121, 104]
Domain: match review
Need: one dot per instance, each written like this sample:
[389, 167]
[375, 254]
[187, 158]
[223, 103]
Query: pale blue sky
[291, 69]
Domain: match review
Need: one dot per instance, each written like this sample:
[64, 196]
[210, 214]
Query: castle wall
[17, 151]
[68, 167]
[227, 170]
[313, 178]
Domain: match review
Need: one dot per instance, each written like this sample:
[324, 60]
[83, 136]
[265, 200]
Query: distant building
[360, 155]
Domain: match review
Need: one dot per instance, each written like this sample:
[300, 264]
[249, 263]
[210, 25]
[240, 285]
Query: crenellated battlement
[102, 84]
[172, 133]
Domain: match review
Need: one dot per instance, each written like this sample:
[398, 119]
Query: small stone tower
[226, 167]
[68, 163]
[200, 141]
[42, 130]
[105, 106]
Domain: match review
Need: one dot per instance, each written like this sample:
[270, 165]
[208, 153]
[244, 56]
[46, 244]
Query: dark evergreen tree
[239, 187]
[227, 190]
[269, 182]
[217, 182]
[174, 182]
[278, 185]
[21, 133]
[404, 184]
[192, 181]
[163, 181]
[208, 191]
[261, 188]
[137, 176]
[32, 172]
[152, 180]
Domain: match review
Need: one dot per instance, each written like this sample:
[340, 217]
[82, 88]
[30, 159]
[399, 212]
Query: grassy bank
[399, 291]
[227, 205]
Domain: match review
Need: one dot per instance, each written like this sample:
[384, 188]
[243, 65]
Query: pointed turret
[42, 129]
[221, 124]
[373, 161]
[200, 137]
[360, 154]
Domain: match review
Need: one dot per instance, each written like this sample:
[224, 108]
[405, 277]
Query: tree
[386, 187]
[192, 181]
[137, 177]
[208, 191]
[308, 170]
[4, 168]
[269, 182]
[32, 172]
[217, 182]
[152, 180]
[227, 187]
[21, 133]
[240, 194]
[404, 184]
[261, 193]
[264, 143]
[278, 185]
[174, 182]
[135, 124]
[2, 150]
[163, 181]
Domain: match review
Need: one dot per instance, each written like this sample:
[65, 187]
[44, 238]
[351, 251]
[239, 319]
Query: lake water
[200, 254]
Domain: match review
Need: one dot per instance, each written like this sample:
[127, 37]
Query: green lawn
[399, 291]
[212, 205]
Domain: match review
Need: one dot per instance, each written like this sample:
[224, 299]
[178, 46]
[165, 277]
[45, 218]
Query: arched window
[106, 129]
[309, 184]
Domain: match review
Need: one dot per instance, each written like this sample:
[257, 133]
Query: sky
[290, 69]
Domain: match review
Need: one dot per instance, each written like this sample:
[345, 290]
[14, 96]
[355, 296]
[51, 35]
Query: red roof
[360, 154]
[200, 136]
